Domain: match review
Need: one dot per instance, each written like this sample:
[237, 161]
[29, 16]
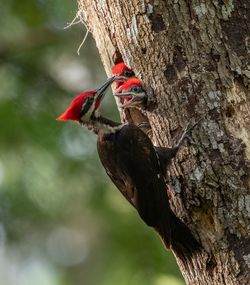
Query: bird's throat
[103, 124]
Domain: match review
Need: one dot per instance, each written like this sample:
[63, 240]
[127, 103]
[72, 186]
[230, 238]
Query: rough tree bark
[195, 57]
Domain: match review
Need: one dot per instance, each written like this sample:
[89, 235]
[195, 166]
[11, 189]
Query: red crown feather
[131, 82]
[119, 68]
[73, 112]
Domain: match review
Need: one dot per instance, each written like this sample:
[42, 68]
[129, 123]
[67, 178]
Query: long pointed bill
[131, 94]
[101, 91]
[120, 78]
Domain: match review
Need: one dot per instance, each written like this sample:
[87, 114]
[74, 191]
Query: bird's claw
[186, 132]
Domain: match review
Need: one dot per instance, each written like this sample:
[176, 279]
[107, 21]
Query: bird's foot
[186, 133]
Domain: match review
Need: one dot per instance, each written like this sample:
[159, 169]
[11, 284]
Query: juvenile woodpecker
[132, 93]
[123, 72]
[133, 116]
[130, 160]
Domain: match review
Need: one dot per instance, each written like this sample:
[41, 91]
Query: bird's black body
[131, 162]
[133, 165]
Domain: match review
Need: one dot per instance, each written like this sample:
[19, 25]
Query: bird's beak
[132, 99]
[130, 94]
[120, 78]
[101, 91]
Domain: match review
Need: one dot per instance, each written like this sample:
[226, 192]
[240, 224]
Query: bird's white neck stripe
[107, 129]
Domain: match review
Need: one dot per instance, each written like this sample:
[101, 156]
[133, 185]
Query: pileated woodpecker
[123, 72]
[134, 116]
[132, 93]
[132, 163]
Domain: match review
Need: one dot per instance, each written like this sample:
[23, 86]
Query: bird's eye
[128, 73]
[136, 89]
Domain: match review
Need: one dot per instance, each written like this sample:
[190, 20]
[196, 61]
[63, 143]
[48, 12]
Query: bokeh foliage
[61, 220]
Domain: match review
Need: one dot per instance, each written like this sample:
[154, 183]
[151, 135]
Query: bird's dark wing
[131, 162]
[111, 158]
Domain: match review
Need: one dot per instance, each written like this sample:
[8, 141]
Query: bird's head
[122, 72]
[132, 93]
[82, 109]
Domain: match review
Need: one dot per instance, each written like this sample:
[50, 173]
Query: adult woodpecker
[132, 163]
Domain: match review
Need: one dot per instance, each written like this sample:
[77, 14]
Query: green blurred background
[61, 220]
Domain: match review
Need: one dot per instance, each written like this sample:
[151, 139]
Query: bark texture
[195, 57]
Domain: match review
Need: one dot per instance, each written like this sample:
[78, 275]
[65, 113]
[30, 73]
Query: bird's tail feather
[177, 236]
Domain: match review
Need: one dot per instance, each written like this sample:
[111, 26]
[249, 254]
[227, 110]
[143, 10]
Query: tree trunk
[194, 56]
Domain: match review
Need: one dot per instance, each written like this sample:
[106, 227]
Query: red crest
[73, 112]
